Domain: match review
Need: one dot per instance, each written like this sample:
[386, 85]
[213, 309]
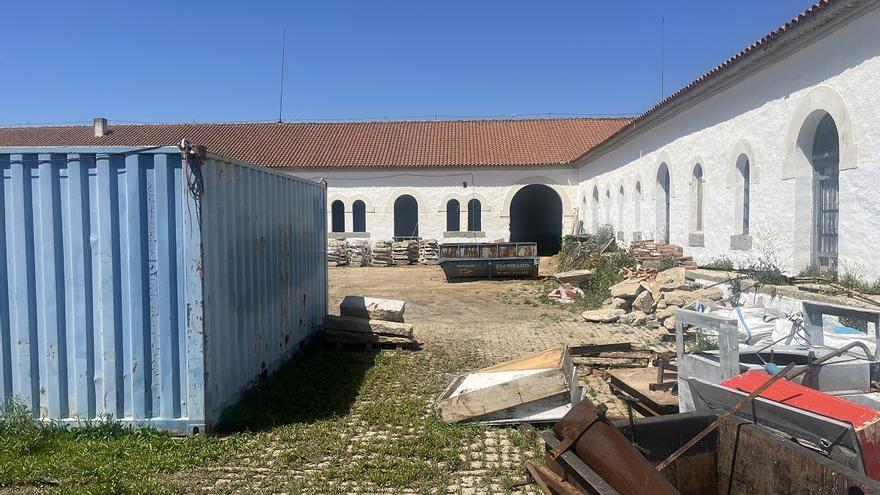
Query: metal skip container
[474, 260]
[152, 285]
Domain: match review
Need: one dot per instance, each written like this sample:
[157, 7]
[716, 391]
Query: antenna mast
[281, 95]
[662, 55]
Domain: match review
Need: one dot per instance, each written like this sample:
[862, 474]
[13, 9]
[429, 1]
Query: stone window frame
[798, 167]
[697, 203]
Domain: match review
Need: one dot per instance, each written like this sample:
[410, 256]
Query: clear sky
[183, 61]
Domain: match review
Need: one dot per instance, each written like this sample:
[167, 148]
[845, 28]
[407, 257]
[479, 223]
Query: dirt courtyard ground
[493, 319]
[341, 421]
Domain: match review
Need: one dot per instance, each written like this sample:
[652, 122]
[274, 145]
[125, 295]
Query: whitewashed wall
[432, 189]
[761, 116]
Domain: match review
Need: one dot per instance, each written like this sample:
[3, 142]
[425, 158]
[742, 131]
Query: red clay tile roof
[458, 143]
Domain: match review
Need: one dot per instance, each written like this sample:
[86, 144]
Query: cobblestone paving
[489, 321]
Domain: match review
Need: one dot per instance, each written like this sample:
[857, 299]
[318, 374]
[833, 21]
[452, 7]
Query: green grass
[327, 421]
[96, 458]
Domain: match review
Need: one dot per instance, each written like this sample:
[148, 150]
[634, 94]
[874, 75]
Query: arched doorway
[406, 217]
[536, 216]
[662, 196]
[825, 158]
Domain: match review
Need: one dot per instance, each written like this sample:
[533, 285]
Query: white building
[775, 152]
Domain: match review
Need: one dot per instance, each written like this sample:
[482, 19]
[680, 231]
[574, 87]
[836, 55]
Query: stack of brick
[652, 254]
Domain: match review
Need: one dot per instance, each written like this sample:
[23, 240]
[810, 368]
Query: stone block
[603, 315]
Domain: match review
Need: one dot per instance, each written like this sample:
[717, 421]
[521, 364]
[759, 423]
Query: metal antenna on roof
[281, 95]
[662, 54]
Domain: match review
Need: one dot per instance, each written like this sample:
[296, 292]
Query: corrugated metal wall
[265, 284]
[108, 272]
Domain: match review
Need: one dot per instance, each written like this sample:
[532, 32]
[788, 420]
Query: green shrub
[720, 263]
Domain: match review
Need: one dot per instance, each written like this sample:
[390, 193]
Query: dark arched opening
[453, 217]
[475, 221]
[536, 216]
[359, 214]
[337, 216]
[826, 193]
[406, 217]
[662, 200]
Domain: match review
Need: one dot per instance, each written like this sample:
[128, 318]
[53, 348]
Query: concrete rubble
[647, 297]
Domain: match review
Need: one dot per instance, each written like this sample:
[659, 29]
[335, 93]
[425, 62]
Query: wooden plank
[483, 401]
[372, 308]
[635, 382]
[361, 325]
[551, 358]
[589, 350]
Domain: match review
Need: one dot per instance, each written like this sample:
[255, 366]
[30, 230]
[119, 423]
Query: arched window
[826, 189]
[637, 207]
[743, 194]
[663, 202]
[406, 217]
[608, 207]
[595, 209]
[697, 199]
[475, 222]
[337, 216]
[359, 213]
[453, 219]
[620, 199]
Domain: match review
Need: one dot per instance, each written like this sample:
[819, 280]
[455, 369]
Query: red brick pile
[651, 254]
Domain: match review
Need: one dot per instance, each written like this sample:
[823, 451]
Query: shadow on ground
[318, 383]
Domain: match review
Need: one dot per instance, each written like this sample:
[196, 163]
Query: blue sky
[152, 61]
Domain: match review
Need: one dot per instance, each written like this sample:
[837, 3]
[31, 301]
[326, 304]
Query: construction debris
[572, 277]
[647, 297]
[372, 308]
[405, 252]
[652, 254]
[337, 252]
[368, 320]
[429, 251]
[565, 293]
[381, 254]
[590, 455]
[345, 330]
[359, 252]
[537, 388]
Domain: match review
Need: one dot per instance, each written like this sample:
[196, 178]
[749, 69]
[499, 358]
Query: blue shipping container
[149, 287]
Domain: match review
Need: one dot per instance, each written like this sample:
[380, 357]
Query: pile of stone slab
[381, 254]
[652, 254]
[405, 252]
[359, 252]
[650, 298]
[428, 252]
[368, 320]
[337, 252]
